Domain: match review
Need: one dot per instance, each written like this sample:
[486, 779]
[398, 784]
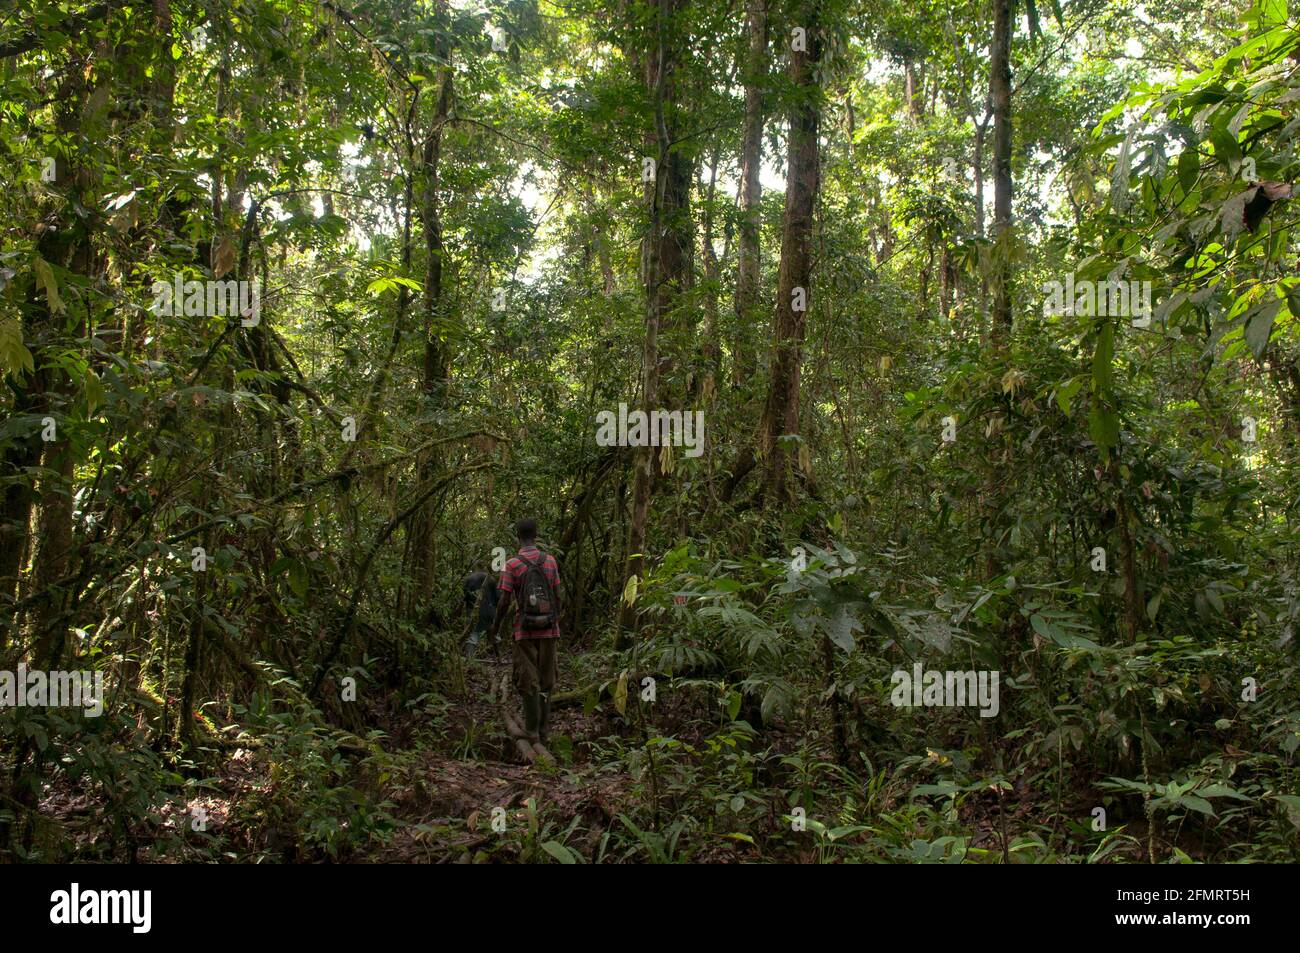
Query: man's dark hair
[526, 531]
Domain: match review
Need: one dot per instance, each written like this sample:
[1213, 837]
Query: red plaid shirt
[513, 578]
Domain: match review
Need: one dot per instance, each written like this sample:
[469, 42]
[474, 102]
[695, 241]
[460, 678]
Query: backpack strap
[532, 565]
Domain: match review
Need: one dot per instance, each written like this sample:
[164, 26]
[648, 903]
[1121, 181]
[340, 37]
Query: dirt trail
[448, 801]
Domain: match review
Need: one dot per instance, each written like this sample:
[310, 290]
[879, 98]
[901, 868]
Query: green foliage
[230, 519]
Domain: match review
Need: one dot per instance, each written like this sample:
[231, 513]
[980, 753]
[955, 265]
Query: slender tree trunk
[977, 165]
[65, 241]
[1000, 90]
[914, 90]
[711, 348]
[1001, 323]
[749, 251]
[794, 284]
[600, 239]
[667, 270]
[435, 371]
[947, 281]
[16, 504]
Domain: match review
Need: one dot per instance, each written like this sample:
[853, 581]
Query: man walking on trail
[532, 578]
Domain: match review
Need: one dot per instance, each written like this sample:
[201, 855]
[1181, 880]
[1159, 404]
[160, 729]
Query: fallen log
[606, 691]
[575, 697]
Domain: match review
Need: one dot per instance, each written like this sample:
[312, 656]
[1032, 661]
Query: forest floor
[446, 801]
[443, 782]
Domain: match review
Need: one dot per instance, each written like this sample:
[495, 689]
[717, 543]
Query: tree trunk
[749, 262]
[1000, 89]
[710, 349]
[435, 370]
[67, 243]
[914, 90]
[667, 271]
[977, 167]
[794, 284]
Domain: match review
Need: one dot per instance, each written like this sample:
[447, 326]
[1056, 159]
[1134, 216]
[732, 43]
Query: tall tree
[434, 369]
[1000, 92]
[667, 259]
[794, 280]
[749, 250]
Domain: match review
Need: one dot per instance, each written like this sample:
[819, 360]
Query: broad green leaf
[1065, 394]
[298, 578]
[45, 280]
[620, 693]
[94, 391]
[1260, 324]
[1196, 804]
[14, 356]
[1103, 427]
[559, 852]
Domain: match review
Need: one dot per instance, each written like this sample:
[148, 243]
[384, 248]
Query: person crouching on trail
[532, 578]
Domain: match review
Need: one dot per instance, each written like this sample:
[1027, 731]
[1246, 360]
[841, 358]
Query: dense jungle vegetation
[986, 315]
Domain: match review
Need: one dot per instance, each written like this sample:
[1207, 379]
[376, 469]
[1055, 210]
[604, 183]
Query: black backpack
[536, 598]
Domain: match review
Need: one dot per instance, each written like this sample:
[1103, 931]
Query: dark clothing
[473, 585]
[534, 665]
